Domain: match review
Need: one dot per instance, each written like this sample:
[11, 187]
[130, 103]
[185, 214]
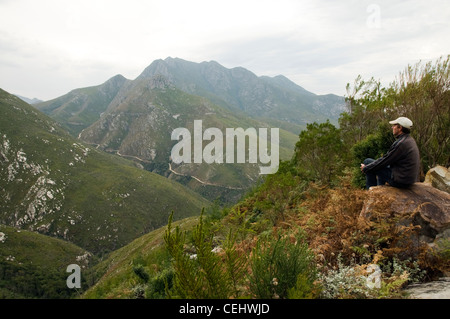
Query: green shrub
[320, 154]
[200, 275]
[139, 270]
[159, 285]
[277, 266]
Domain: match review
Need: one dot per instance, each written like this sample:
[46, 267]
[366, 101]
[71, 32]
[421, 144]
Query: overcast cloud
[50, 47]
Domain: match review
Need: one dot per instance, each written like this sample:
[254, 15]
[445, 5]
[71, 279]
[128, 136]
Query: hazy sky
[49, 47]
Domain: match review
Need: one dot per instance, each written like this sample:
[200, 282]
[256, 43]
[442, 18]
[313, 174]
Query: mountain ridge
[28, 100]
[239, 89]
[81, 107]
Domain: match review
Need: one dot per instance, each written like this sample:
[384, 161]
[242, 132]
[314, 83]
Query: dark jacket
[403, 158]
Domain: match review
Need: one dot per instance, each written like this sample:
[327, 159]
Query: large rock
[421, 204]
[439, 177]
[439, 289]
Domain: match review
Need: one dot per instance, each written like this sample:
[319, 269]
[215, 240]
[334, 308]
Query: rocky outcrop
[420, 205]
[439, 177]
[439, 289]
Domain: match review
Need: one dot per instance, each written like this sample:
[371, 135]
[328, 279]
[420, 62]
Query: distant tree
[368, 105]
[422, 93]
[320, 153]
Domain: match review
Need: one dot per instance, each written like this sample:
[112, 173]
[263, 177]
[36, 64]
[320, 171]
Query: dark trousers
[380, 177]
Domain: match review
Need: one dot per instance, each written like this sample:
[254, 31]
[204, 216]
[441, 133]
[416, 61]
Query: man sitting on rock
[400, 166]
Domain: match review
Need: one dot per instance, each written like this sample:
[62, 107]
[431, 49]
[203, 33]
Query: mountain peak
[156, 67]
[117, 77]
[239, 89]
[115, 82]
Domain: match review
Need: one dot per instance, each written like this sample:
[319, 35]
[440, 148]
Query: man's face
[396, 129]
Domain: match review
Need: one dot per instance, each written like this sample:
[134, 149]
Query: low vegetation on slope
[287, 239]
[34, 265]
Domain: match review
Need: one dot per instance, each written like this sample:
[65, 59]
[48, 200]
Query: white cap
[403, 121]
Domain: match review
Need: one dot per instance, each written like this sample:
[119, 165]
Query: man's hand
[362, 167]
